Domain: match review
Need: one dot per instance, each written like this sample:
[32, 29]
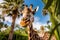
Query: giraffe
[28, 17]
[30, 26]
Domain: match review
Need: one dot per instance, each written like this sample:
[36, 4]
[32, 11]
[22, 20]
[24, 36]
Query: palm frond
[8, 0]
[54, 30]
[48, 4]
[11, 5]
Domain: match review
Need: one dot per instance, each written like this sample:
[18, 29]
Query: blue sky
[43, 19]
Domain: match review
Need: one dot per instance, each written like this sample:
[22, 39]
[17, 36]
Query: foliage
[53, 7]
[2, 19]
[8, 6]
[18, 35]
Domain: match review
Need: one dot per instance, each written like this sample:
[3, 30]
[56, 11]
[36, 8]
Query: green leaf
[54, 30]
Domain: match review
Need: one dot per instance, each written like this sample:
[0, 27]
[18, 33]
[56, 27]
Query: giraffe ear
[37, 8]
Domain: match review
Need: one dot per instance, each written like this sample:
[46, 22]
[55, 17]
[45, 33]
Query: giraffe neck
[32, 34]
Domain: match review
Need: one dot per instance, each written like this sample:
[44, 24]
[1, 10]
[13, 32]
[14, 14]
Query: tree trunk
[13, 24]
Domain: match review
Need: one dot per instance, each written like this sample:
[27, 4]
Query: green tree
[1, 21]
[11, 7]
[53, 7]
